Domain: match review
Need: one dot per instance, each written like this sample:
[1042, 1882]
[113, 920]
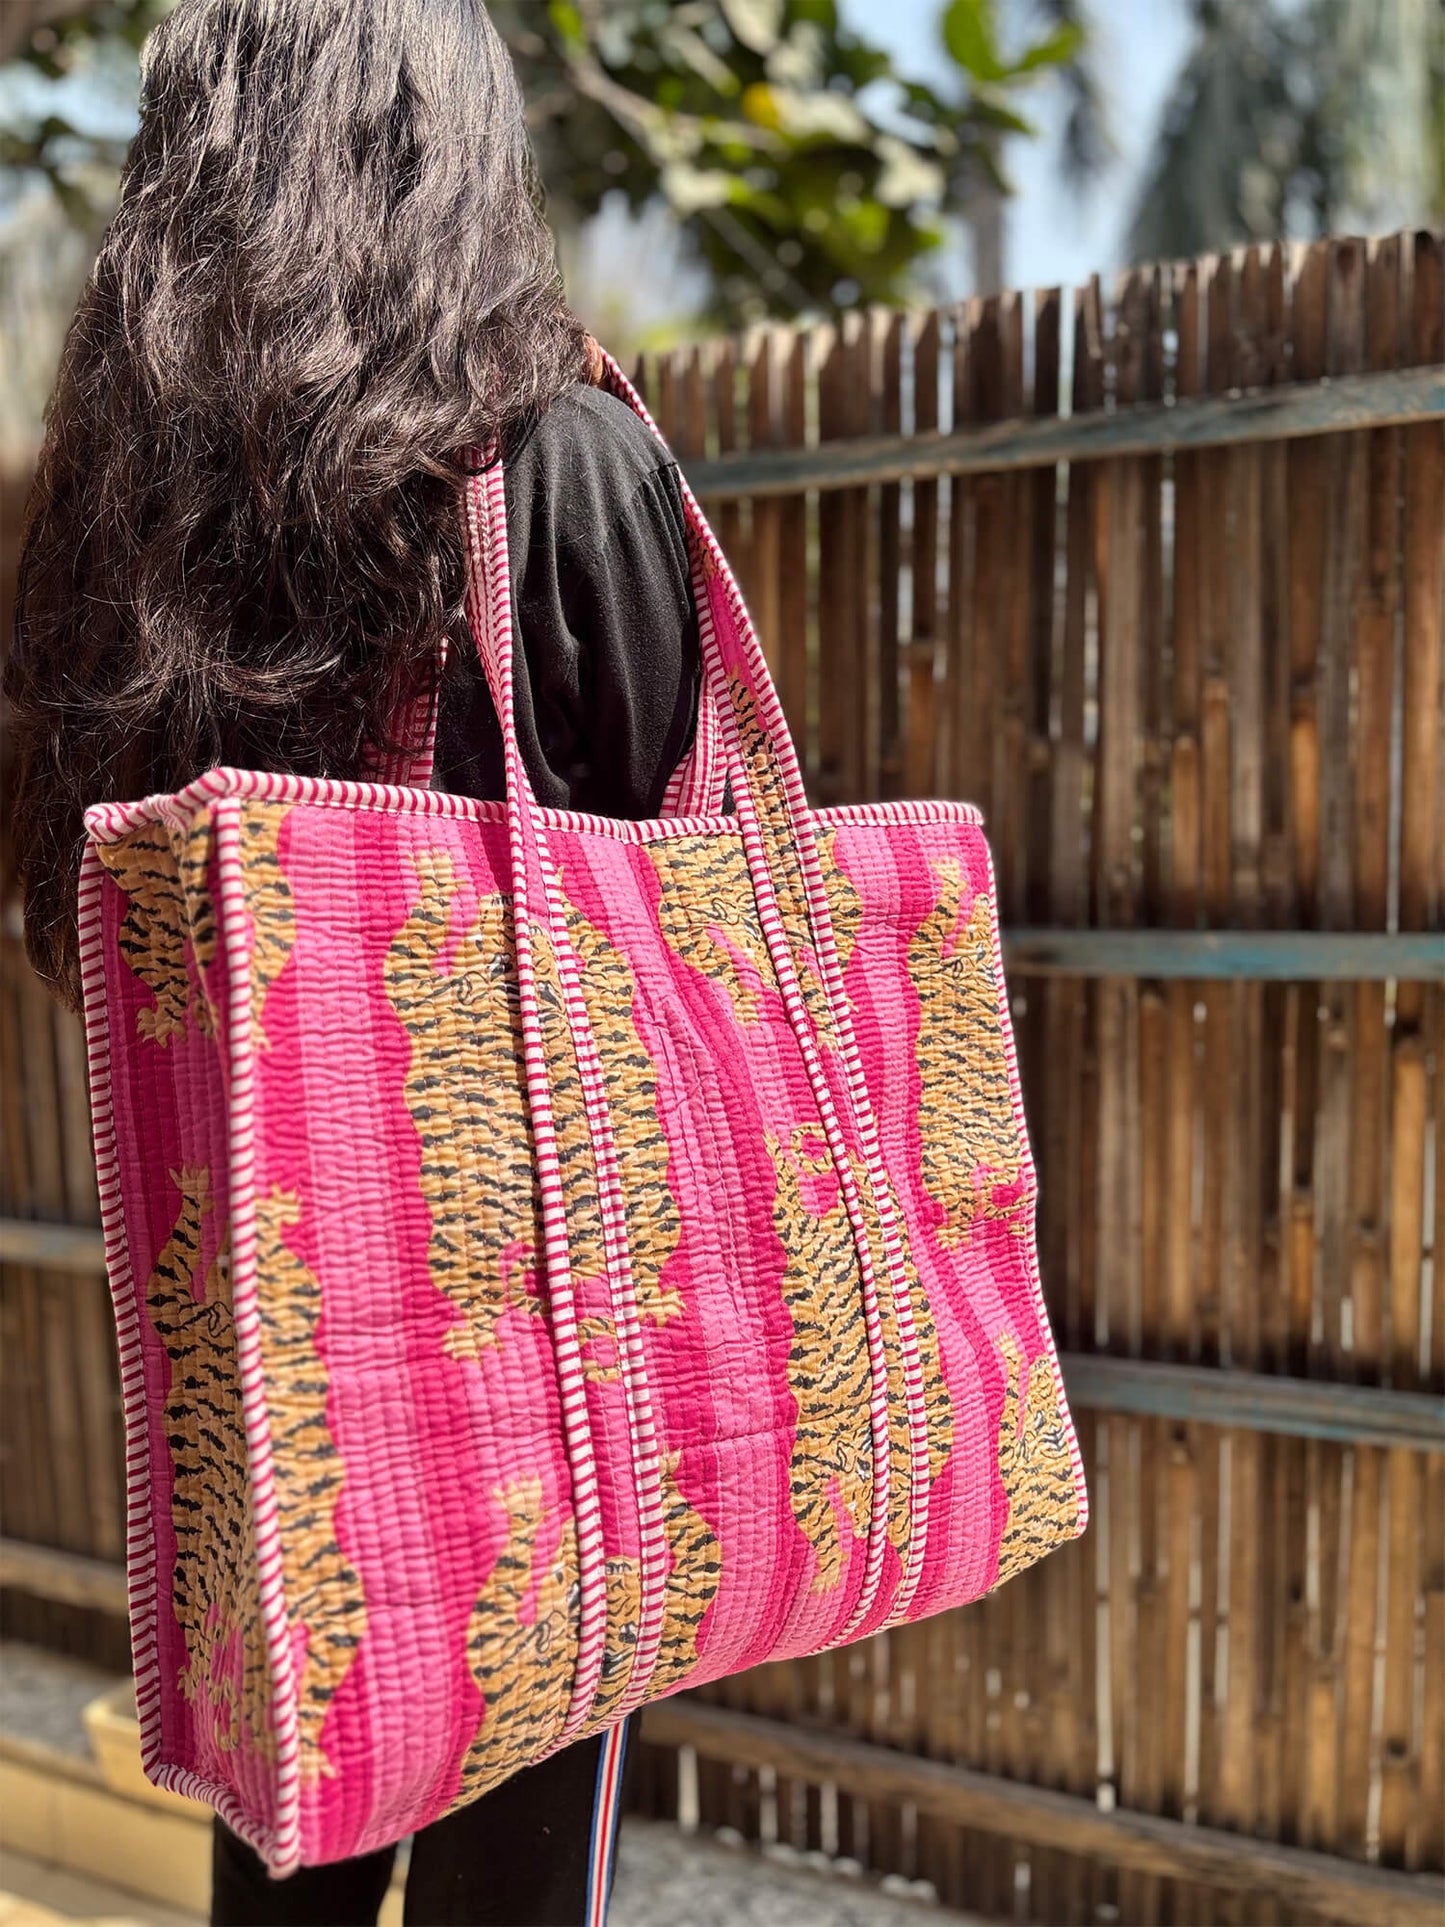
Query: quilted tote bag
[557, 1261]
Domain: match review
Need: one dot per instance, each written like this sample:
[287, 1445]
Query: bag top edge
[106, 822]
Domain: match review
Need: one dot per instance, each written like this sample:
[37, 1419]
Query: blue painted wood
[1254, 1402]
[1295, 956]
[1380, 399]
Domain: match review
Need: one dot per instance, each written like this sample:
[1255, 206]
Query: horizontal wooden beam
[51, 1247]
[1140, 1842]
[1261, 1402]
[1293, 956]
[1256, 1401]
[65, 1578]
[1376, 400]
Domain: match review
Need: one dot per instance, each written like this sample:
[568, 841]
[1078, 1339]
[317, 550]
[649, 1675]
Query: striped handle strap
[777, 836]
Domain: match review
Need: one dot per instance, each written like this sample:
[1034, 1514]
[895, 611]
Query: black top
[606, 621]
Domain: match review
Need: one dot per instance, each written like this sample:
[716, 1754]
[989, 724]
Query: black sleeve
[607, 639]
[621, 604]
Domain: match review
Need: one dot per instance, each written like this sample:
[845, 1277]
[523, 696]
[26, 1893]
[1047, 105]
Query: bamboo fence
[1159, 580]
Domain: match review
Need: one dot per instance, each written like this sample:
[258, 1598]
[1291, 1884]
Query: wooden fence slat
[1336, 1888]
[1306, 411]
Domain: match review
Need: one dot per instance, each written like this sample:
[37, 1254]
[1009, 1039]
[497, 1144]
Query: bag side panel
[918, 924]
[203, 1688]
[423, 1495]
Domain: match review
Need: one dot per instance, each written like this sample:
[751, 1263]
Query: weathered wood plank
[51, 1247]
[1281, 956]
[1398, 397]
[1256, 1401]
[65, 1578]
[1340, 1889]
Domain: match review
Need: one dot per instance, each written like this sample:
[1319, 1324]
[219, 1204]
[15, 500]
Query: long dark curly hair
[328, 278]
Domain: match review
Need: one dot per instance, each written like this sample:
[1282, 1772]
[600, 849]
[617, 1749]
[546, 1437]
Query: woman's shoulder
[589, 438]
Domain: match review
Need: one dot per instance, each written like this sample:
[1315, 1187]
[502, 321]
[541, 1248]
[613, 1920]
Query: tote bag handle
[741, 729]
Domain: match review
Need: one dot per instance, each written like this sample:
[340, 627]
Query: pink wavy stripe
[860, 1104]
[1027, 1236]
[234, 934]
[141, 1576]
[490, 612]
[654, 1557]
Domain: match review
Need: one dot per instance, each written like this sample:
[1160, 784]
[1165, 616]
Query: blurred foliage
[806, 172]
[55, 39]
[1293, 116]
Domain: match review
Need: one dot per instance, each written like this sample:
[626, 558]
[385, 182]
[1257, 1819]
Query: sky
[1053, 235]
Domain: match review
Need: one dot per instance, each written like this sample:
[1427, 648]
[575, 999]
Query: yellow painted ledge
[102, 1818]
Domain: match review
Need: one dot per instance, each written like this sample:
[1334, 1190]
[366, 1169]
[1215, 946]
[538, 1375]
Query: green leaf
[989, 111]
[1055, 50]
[970, 34]
[566, 19]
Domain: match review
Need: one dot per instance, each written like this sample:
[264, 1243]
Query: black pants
[518, 1857]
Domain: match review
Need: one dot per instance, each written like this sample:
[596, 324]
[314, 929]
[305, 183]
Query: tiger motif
[692, 1583]
[467, 1098]
[844, 902]
[323, 1589]
[831, 1466]
[653, 1226]
[269, 900]
[770, 799]
[624, 1610]
[708, 916]
[521, 1642]
[1035, 1464]
[214, 1583]
[938, 1405]
[523, 1667]
[971, 1146]
[829, 1368]
[169, 920]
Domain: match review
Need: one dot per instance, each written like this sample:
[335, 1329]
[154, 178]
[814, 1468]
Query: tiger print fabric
[168, 935]
[400, 1388]
[708, 917]
[522, 1640]
[970, 1139]
[459, 1005]
[273, 924]
[1036, 1465]
[323, 1587]
[653, 1224]
[830, 1471]
[214, 1581]
[938, 1402]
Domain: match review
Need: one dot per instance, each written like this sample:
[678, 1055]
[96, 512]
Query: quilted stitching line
[626, 1311]
[760, 685]
[492, 629]
[765, 696]
[246, 1312]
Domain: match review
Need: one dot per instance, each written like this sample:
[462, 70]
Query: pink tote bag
[556, 1261]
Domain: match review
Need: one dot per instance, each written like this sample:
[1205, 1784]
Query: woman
[327, 278]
